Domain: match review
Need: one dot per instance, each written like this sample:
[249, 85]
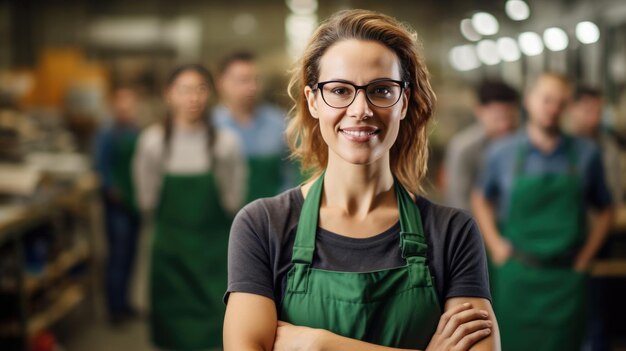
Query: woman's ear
[406, 94]
[311, 101]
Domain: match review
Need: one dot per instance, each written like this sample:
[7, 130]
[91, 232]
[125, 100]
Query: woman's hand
[460, 328]
[290, 337]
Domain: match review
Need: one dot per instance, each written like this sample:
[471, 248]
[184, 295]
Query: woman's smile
[360, 134]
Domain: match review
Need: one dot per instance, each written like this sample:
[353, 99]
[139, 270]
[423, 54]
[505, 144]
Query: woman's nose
[360, 106]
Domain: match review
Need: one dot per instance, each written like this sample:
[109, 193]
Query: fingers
[443, 320]
[470, 339]
[463, 317]
[468, 328]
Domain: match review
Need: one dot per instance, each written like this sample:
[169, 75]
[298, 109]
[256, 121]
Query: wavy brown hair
[409, 154]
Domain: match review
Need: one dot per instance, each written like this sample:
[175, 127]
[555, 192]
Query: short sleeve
[598, 194]
[147, 167]
[458, 173]
[489, 176]
[467, 273]
[232, 170]
[249, 264]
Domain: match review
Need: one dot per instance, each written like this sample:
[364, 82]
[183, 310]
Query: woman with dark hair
[190, 179]
[355, 259]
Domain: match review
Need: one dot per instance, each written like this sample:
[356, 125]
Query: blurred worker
[497, 115]
[532, 207]
[260, 126]
[114, 148]
[192, 178]
[585, 120]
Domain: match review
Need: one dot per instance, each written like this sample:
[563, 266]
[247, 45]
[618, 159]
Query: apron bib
[538, 298]
[188, 264]
[264, 176]
[395, 307]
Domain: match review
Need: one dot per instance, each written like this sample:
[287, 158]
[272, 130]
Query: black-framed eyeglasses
[380, 93]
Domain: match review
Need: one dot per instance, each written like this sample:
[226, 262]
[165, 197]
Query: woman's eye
[340, 91]
[382, 91]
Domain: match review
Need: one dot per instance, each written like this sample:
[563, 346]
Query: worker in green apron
[351, 260]
[259, 125]
[193, 169]
[542, 244]
[542, 262]
[115, 147]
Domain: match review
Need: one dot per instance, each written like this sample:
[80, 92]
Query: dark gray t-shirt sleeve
[456, 253]
[598, 194]
[249, 268]
[468, 274]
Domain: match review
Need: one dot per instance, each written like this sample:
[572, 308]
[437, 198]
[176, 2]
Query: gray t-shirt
[464, 157]
[263, 232]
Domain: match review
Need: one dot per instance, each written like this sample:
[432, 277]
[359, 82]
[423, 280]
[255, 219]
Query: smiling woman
[355, 259]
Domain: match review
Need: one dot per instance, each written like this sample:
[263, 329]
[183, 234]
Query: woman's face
[360, 133]
[188, 95]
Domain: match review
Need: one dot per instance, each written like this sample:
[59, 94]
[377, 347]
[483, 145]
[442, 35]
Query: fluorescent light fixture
[517, 10]
[508, 49]
[485, 23]
[463, 58]
[555, 39]
[530, 43]
[587, 32]
[468, 31]
[487, 51]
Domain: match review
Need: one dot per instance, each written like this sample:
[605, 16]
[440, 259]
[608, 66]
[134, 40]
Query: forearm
[244, 346]
[249, 323]
[333, 342]
[596, 236]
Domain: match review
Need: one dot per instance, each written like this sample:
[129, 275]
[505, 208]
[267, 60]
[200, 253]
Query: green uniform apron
[539, 298]
[395, 307]
[264, 176]
[121, 170]
[188, 270]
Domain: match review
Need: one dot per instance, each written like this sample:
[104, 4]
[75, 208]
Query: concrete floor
[88, 328]
[100, 336]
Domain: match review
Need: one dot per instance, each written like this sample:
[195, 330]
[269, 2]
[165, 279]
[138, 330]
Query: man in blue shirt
[260, 126]
[532, 205]
[114, 148]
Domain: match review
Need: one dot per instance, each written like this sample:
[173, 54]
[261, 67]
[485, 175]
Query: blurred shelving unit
[36, 298]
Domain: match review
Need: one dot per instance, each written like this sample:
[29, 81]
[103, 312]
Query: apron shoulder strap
[304, 244]
[412, 240]
[520, 157]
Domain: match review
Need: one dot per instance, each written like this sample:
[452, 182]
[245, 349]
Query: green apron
[188, 264]
[264, 176]
[121, 169]
[538, 297]
[395, 307]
